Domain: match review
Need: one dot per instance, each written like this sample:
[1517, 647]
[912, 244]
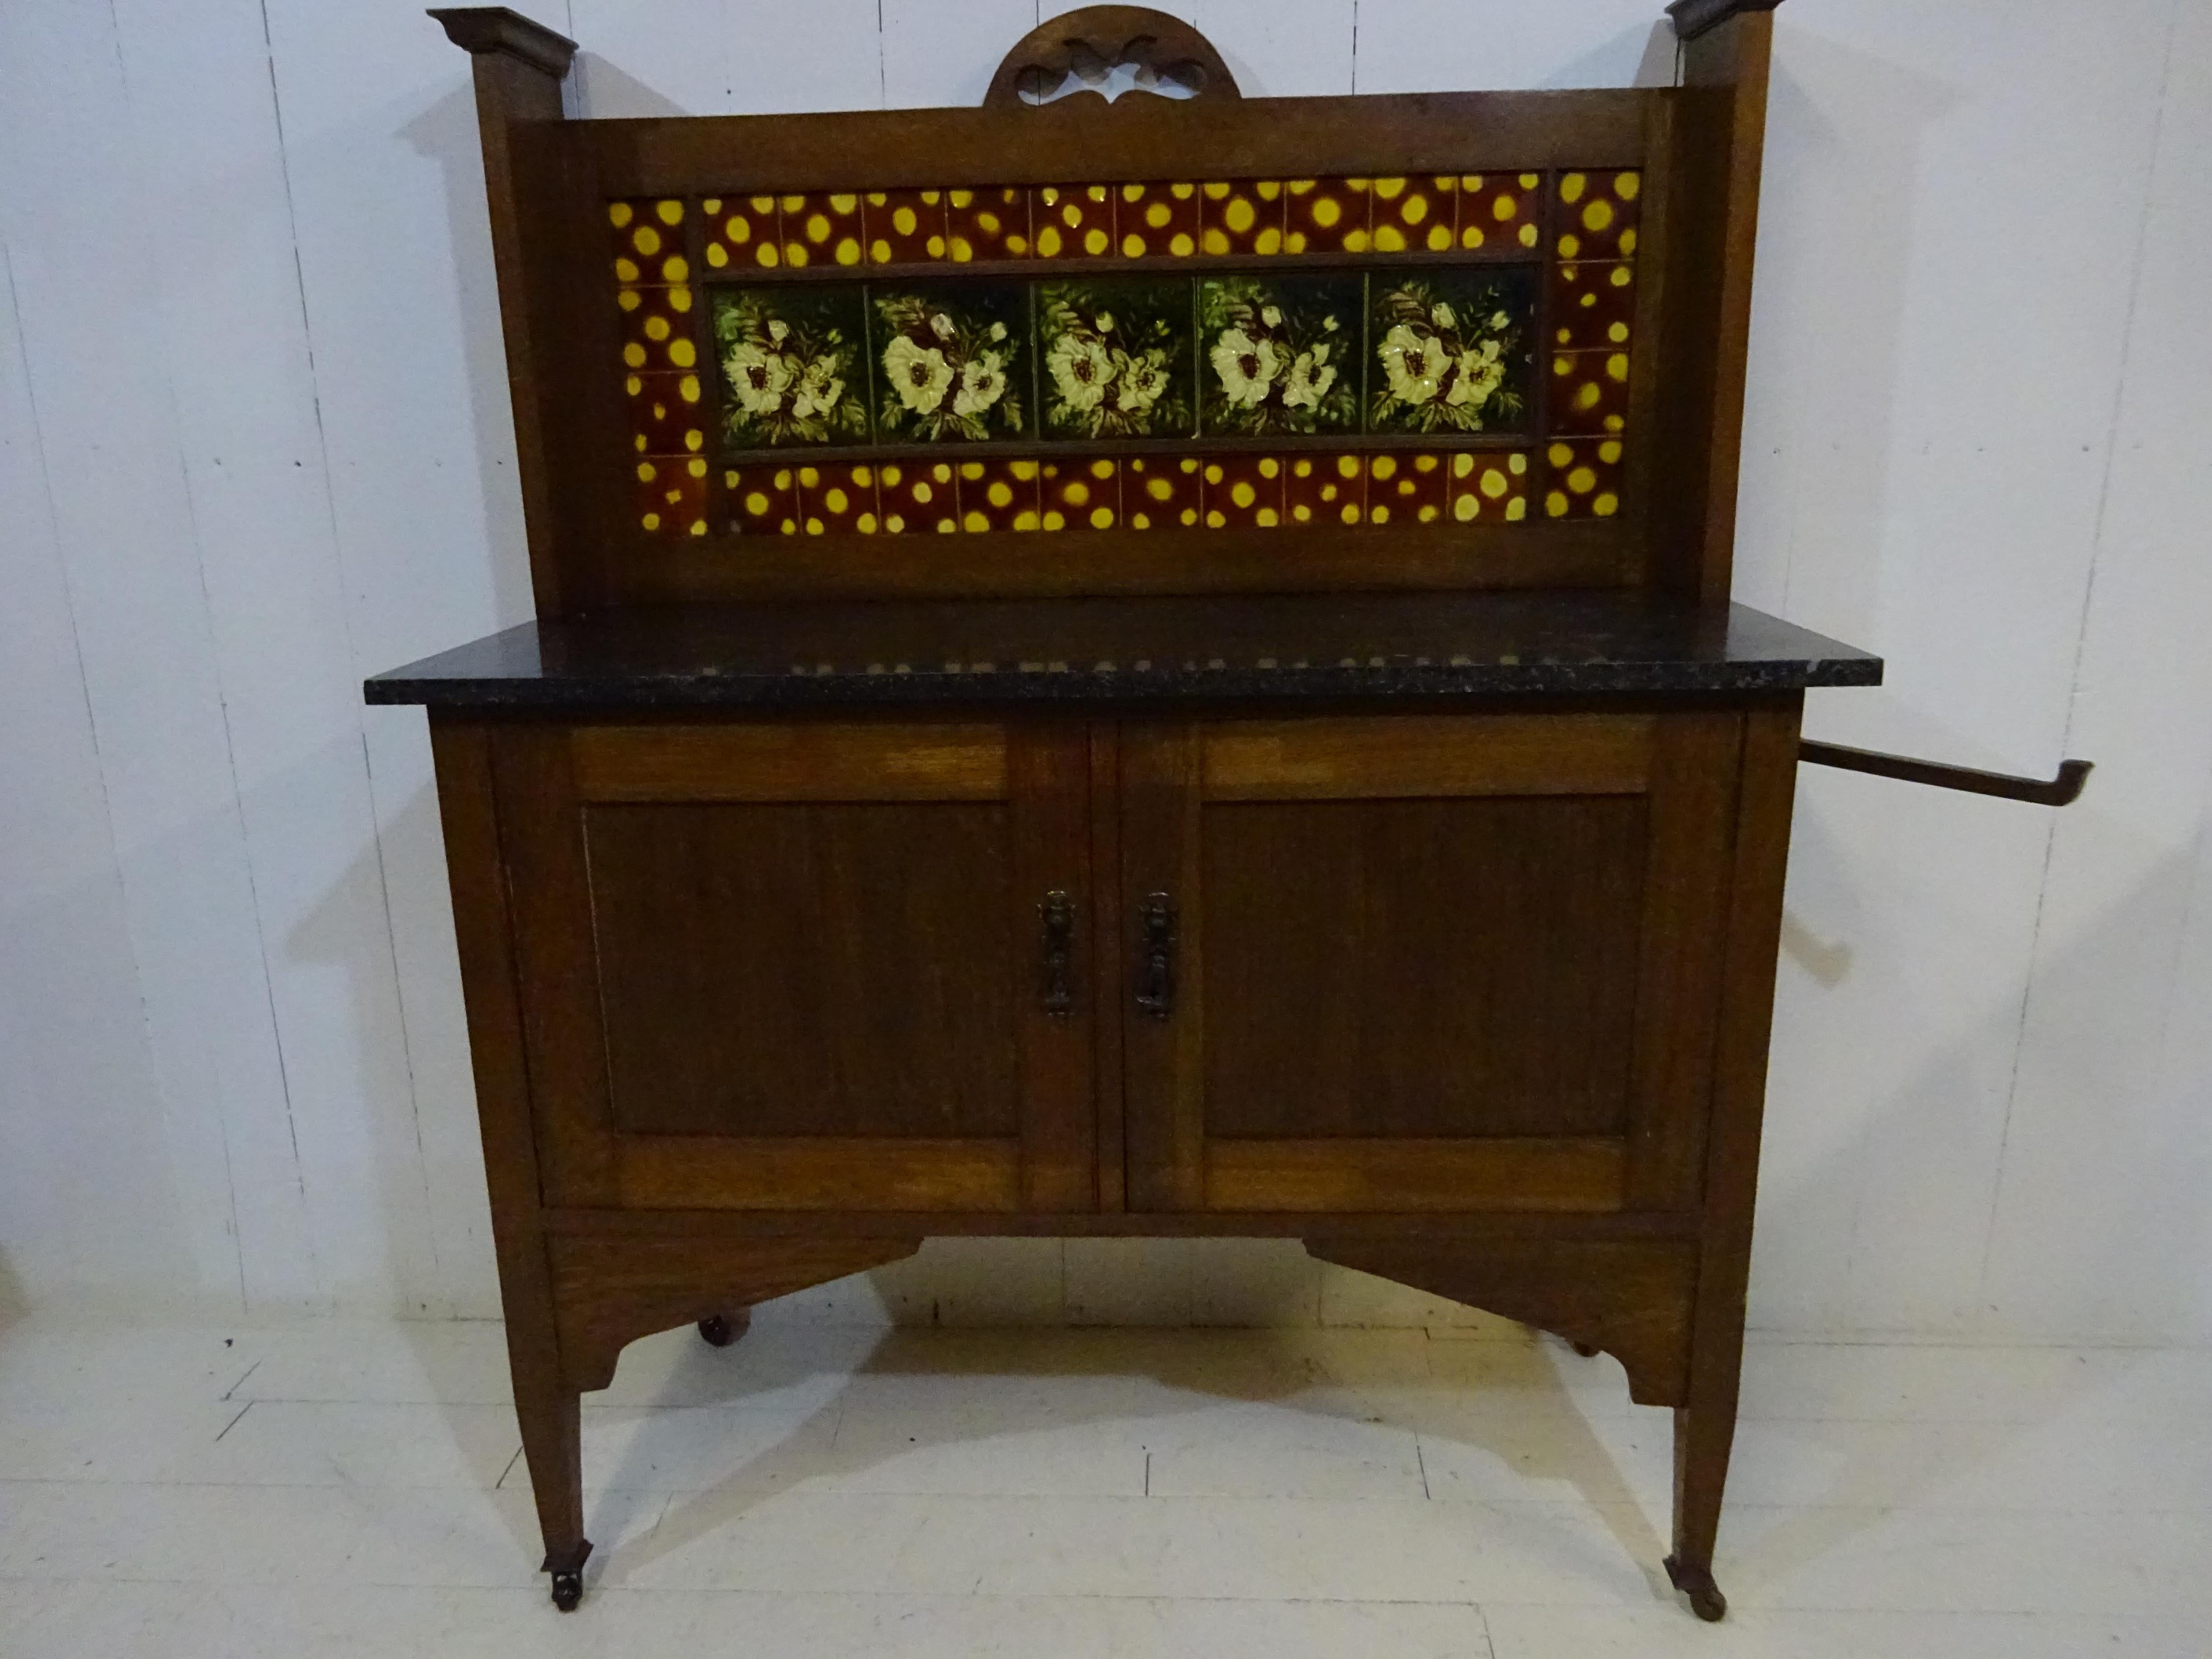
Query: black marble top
[1151, 650]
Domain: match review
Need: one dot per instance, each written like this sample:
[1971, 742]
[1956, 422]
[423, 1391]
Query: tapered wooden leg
[552, 1442]
[1703, 1432]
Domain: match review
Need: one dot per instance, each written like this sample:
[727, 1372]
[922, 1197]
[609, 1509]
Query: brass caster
[569, 1577]
[722, 1329]
[1697, 1582]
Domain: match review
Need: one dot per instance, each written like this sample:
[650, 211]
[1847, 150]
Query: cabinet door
[1423, 963]
[805, 966]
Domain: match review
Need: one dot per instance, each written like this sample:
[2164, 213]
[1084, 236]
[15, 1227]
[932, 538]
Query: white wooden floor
[344, 1488]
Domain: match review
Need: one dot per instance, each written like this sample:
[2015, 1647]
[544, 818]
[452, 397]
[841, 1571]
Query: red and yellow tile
[997, 494]
[1325, 489]
[1500, 212]
[1592, 305]
[1081, 495]
[1326, 216]
[903, 226]
[763, 498]
[914, 496]
[1600, 214]
[649, 242]
[837, 500]
[1152, 221]
[1488, 487]
[1243, 491]
[823, 229]
[1589, 392]
[1407, 488]
[657, 330]
[1161, 492]
[665, 415]
[1241, 216]
[669, 496]
[1415, 214]
[742, 231]
[1073, 221]
[987, 224]
[1585, 479]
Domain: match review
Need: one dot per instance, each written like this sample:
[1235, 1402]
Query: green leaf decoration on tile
[1451, 354]
[1117, 359]
[951, 363]
[792, 361]
[1281, 354]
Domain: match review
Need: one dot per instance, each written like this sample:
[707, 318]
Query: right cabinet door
[1417, 964]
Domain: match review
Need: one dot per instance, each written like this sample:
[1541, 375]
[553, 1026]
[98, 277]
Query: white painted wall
[254, 445]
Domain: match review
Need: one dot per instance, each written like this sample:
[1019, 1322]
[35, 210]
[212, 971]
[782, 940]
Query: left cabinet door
[804, 966]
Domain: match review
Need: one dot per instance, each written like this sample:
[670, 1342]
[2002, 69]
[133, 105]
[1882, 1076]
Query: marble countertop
[1147, 651]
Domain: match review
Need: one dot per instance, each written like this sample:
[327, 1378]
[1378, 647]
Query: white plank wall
[254, 444]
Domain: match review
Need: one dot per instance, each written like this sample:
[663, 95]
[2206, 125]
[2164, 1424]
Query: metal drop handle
[1156, 965]
[1058, 912]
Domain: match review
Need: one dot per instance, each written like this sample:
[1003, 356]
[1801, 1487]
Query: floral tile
[1085, 494]
[1449, 352]
[1414, 213]
[764, 497]
[1589, 392]
[1585, 481]
[1599, 214]
[1160, 492]
[1407, 488]
[741, 231]
[1240, 216]
[997, 494]
[837, 500]
[987, 224]
[1326, 216]
[1155, 219]
[1501, 211]
[1280, 354]
[793, 360]
[648, 239]
[1119, 358]
[670, 497]
[1325, 489]
[1072, 221]
[820, 229]
[916, 496]
[1593, 304]
[1243, 491]
[903, 226]
[656, 330]
[950, 363]
[1486, 486]
[665, 415]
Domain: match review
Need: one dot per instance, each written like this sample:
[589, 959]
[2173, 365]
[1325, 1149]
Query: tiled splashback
[839, 339]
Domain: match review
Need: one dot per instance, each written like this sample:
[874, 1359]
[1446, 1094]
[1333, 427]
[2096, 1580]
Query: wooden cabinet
[805, 967]
[1425, 964]
[1370, 965]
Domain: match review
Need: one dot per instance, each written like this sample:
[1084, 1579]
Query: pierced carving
[1089, 44]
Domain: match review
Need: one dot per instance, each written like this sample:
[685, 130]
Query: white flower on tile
[919, 375]
[1246, 366]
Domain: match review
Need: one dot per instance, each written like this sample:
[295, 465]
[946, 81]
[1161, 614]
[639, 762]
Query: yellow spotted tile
[1408, 487]
[1240, 216]
[668, 494]
[1589, 392]
[1592, 305]
[659, 330]
[666, 416]
[741, 232]
[1326, 216]
[987, 224]
[1583, 478]
[1161, 492]
[1325, 489]
[996, 493]
[1156, 219]
[904, 227]
[1600, 213]
[1081, 495]
[649, 242]
[1073, 221]
[1500, 213]
[762, 497]
[1419, 215]
[824, 228]
[916, 498]
[1488, 487]
[837, 499]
